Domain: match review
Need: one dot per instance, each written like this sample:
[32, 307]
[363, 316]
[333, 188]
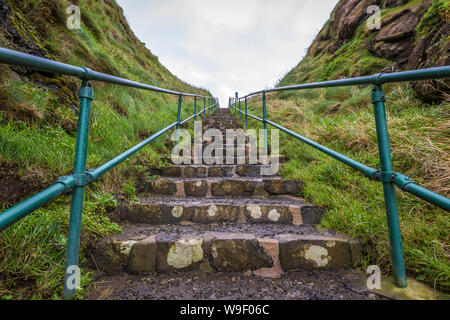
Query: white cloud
[228, 46]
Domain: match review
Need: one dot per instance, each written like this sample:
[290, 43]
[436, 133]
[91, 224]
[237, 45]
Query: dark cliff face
[413, 35]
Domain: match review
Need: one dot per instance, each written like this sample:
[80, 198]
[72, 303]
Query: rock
[172, 171]
[260, 191]
[178, 256]
[283, 186]
[111, 256]
[393, 3]
[347, 17]
[237, 252]
[311, 252]
[312, 214]
[398, 26]
[158, 186]
[272, 248]
[155, 213]
[432, 51]
[395, 39]
[229, 188]
[197, 188]
[195, 172]
[216, 214]
[143, 256]
[219, 172]
[248, 171]
[268, 214]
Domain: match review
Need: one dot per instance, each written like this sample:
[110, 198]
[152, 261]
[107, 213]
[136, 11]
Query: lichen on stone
[317, 254]
[184, 253]
[255, 211]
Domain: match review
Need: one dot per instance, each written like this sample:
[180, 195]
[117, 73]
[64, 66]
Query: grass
[355, 206]
[33, 250]
[38, 119]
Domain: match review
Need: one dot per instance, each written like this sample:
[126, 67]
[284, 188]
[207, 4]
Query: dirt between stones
[300, 285]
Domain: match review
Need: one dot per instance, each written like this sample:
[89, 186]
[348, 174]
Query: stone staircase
[216, 221]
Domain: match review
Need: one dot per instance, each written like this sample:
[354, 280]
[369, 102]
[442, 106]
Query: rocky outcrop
[433, 50]
[348, 16]
[395, 40]
[413, 35]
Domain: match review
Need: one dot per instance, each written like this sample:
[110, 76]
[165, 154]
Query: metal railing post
[246, 115]
[265, 123]
[387, 176]
[180, 100]
[195, 109]
[86, 95]
[204, 108]
[235, 102]
[240, 114]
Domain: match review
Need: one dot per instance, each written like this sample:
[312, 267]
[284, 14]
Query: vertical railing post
[390, 198]
[180, 101]
[195, 109]
[86, 95]
[204, 108]
[235, 102]
[265, 122]
[240, 114]
[246, 115]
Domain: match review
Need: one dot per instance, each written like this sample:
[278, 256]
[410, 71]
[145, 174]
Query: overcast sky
[228, 46]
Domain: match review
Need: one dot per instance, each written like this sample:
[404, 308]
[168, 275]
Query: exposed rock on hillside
[395, 40]
[413, 35]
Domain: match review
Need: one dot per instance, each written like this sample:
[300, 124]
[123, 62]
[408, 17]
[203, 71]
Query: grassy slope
[38, 131]
[342, 119]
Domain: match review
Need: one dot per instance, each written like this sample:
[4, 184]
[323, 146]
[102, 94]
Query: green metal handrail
[386, 174]
[81, 178]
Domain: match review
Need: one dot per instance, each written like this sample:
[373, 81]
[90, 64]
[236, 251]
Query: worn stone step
[219, 187]
[216, 171]
[219, 160]
[233, 152]
[276, 210]
[264, 250]
[200, 286]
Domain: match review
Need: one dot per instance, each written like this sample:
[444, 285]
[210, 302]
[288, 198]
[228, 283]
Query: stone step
[225, 153]
[276, 210]
[219, 187]
[219, 160]
[206, 171]
[264, 250]
[200, 286]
